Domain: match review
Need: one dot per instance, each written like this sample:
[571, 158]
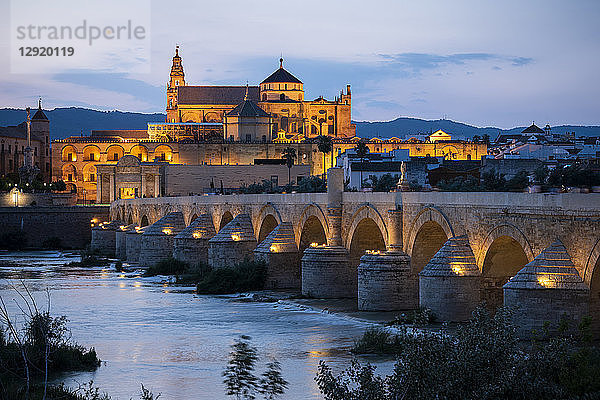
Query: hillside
[74, 121]
[71, 121]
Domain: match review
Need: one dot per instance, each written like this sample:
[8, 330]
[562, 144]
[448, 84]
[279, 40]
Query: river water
[168, 338]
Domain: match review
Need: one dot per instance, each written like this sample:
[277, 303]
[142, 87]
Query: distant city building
[281, 95]
[13, 142]
[233, 126]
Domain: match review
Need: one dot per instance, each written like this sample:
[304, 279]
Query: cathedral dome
[281, 76]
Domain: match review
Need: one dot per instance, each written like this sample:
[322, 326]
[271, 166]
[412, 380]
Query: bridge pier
[548, 289]
[450, 283]
[327, 274]
[134, 244]
[157, 240]
[103, 238]
[280, 252]
[385, 279]
[234, 243]
[121, 241]
[191, 244]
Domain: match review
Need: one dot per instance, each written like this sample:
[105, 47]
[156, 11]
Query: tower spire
[246, 95]
[40, 103]
[176, 50]
[281, 62]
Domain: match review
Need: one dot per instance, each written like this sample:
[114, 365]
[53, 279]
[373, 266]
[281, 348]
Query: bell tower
[177, 78]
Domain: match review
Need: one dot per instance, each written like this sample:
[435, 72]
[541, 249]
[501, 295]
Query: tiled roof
[19, 131]
[248, 109]
[201, 228]
[552, 269]
[39, 115]
[281, 76]
[533, 129]
[215, 94]
[455, 258]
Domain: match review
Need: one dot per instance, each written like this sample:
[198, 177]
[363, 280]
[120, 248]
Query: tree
[476, 139]
[486, 139]
[272, 383]
[238, 376]
[361, 151]
[289, 155]
[325, 146]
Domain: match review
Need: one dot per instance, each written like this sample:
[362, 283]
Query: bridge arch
[226, 218]
[267, 218]
[144, 221]
[504, 252]
[366, 235]
[428, 233]
[591, 276]
[312, 227]
[366, 212]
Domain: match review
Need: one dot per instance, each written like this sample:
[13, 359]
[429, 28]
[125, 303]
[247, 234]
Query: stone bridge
[505, 231]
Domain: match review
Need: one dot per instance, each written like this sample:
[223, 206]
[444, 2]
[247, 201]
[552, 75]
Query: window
[92, 177]
[264, 97]
[248, 138]
[282, 96]
[115, 157]
[264, 138]
[70, 177]
[176, 83]
[70, 157]
[275, 180]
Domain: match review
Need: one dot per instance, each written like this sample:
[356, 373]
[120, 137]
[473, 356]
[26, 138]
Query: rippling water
[170, 339]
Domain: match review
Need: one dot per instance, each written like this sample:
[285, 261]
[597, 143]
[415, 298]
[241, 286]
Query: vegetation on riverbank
[90, 259]
[242, 277]
[40, 350]
[483, 360]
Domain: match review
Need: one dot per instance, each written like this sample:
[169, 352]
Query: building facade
[13, 142]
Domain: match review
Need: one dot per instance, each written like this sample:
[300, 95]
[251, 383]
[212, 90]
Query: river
[173, 341]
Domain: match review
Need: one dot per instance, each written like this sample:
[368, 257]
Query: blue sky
[484, 62]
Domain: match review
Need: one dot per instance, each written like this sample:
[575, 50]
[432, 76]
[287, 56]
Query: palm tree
[325, 145]
[289, 155]
[361, 150]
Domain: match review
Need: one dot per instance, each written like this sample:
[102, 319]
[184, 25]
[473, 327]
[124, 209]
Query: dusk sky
[484, 62]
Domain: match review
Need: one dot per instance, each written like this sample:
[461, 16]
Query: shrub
[418, 317]
[245, 276]
[377, 341]
[484, 360]
[168, 266]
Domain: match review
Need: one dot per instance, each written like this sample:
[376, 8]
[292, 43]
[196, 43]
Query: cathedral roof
[533, 129]
[215, 94]
[19, 131]
[281, 76]
[247, 108]
[39, 115]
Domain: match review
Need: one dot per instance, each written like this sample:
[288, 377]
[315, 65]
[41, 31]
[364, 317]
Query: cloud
[420, 62]
[520, 61]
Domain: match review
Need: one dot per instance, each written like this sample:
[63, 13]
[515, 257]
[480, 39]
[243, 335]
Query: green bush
[168, 266]
[418, 317]
[483, 360]
[243, 277]
[377, 341]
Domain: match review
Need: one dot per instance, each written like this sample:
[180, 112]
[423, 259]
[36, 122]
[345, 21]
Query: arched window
[282, 96]
[264, 97]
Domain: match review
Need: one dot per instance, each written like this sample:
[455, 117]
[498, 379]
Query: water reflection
[170, 339]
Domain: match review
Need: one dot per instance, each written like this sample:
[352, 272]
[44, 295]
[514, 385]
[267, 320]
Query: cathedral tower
[177, 78]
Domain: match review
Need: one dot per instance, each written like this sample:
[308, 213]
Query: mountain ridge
[75, 121]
